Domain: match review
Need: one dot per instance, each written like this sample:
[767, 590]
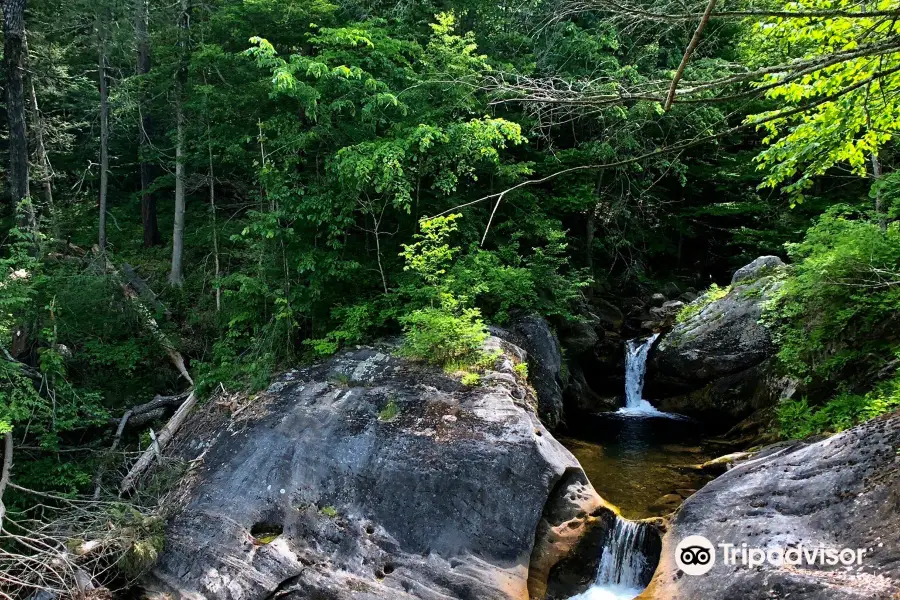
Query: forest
[201, 194]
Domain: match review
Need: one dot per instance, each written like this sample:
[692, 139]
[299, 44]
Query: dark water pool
[640, 464]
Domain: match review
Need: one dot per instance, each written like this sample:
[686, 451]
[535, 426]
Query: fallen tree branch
[27, 371]
[157, 403]
[149, 322]
[162, 440]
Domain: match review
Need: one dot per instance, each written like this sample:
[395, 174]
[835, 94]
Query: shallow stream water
[633, 462]
[645, 462]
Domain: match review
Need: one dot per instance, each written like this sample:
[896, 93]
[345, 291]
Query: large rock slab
[717, 352]
[369, 477]
[841, 492]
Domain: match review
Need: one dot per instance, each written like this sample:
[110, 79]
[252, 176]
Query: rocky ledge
[370, 477]
[841, 492]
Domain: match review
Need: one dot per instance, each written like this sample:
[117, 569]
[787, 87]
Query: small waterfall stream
[623, 571]
[636, 351]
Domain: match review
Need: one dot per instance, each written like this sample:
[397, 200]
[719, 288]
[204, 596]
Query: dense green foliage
[837, 316]
[798, 419]
[353, 170]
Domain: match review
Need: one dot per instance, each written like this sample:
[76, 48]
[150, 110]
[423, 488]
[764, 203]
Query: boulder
[578, 337]
[762, 266]
[730, 398]
[710, 363]
[610, 317]
[370, 477]
[657, 300]
[545, 363]
[841, 492]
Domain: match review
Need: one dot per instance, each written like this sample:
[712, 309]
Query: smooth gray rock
[841, 492]
[764, 265]
[463, 493]
[723, 339]
[544, 365]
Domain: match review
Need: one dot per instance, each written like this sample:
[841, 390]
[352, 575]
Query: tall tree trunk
[145, 125]
[880, 208]
[212, 212]
[46, 169]
[176, 276]
[104, 131]
[15, 59]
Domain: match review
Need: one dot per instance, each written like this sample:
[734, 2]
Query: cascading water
[623, 572]
[635, 367]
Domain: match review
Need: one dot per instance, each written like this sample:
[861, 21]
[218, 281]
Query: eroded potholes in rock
[266, 532]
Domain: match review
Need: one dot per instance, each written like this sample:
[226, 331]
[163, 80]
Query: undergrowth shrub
[444, 335]
[837, 317]
[798, 419]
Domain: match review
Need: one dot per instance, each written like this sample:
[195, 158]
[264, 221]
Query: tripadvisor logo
[696, 555]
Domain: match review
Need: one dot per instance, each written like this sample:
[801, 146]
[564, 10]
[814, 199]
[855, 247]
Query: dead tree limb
[147, 318]
[157, 403]
[162, 440]
[692, 45]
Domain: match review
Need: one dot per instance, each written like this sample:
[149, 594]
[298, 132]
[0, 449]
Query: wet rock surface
[840, 492]
[370, 477]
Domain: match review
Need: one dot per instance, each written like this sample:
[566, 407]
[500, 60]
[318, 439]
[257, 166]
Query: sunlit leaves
[853, 109]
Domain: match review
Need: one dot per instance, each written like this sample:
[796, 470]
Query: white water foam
[622, 569]
[636, 351]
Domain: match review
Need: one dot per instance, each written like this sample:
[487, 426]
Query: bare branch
[695, 40]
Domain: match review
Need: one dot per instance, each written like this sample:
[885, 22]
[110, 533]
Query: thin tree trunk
[46, 170]
[5, 472]
[145, 126]
[212, 212]
[104, 131]
[15, 59]
[880, 209]
[176, 275]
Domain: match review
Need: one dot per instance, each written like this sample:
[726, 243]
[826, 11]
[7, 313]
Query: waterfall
[635, 367]
[623, 571]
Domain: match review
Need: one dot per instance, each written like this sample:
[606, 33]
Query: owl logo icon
[695, 555]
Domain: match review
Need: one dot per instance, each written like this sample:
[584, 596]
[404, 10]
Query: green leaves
[853, 108]
[838, 309]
